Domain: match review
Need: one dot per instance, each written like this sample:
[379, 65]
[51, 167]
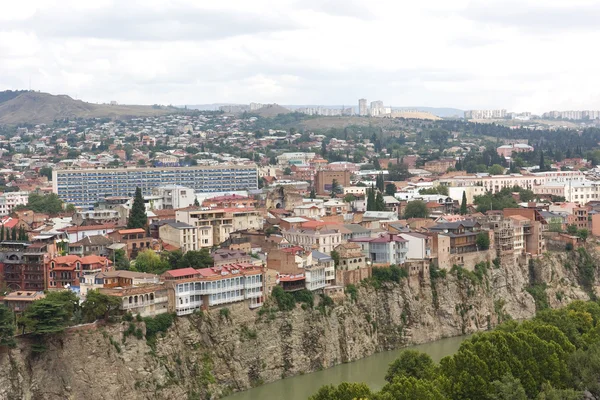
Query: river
[370, 370]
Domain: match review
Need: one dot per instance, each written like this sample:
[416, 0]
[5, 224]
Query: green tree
[379, 182]
[68, 300]
[398, 172]
[197, 259]
[349, 198]
[313, 193]
[572, 229]
[583, 234]
[46, 171]
[137, 216]
[49, 203]
[508, 388]
[463, 204]
[482, 241]
[287, 171]
[13, 233]
[542, 163]
[148, 261]
[45, 317]
[7, 327]
[121, 262]
[371, 199]
[390, 189]
[335, 188]
[196, 202]
[526, 195]
[408, 387]
[344, 391]
[336, 257]
[99, 306]
[379, 202]
[416, 209]
[411, 363]
[496, 169]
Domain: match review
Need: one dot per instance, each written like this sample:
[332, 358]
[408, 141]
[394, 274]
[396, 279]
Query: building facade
[84, 187]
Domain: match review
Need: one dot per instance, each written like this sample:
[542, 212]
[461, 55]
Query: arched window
[130, 300]
[135, 299]
[151, 296]
[52, 265]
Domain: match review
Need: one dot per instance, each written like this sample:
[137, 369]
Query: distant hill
[36, 108]
[271, 110]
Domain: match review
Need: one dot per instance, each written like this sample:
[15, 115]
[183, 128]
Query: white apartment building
[323, 240]
[10, 200]
[496, 183]
[286, 159]
[193, 289]
[362, 107]
[174, 196]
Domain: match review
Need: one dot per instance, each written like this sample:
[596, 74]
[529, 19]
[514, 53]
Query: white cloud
[531, 55]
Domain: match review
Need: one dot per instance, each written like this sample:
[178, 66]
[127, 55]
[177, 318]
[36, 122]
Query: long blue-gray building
[84, 187]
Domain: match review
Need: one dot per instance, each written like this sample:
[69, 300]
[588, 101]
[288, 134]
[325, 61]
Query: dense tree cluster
[554, 356]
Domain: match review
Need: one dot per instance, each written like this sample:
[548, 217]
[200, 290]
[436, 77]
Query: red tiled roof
[178, 273]
[70, 259]
[93, 260]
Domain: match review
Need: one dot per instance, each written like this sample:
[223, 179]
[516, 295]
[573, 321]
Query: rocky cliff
[211, 354]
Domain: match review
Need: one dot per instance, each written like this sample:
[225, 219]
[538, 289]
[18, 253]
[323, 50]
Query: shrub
[389, 274]
[285, 301]
[224, 312]
[352, 291]
[305, 296]
[158, 324]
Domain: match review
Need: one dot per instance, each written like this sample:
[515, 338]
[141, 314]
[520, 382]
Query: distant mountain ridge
[443, 112]
[43, 108]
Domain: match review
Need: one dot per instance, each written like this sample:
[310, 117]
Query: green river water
[370, 370]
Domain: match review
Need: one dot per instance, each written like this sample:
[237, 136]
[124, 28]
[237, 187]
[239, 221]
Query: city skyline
[459, 55]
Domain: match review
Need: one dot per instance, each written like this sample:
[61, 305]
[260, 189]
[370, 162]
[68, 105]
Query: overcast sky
[524, 55]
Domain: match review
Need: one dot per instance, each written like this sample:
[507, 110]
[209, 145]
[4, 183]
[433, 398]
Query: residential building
[76, 233]
[226, 257]
[320, 238]
[22, 265]
[65, 271]
[362, 107]
[135, 240]
[181, 235]
[145, 300]
[18, 301]
[174, 196]
[324, 180]
[91, 245]
[419, 245]
[10, 200]
[296, 269]
[190, 289]
[385, 250]
[229, 201]
[96, 217]
[326, 261]
[287, 159]
[353, 266]
[84, 187]
[94, 279]
[219, 222]
[507, 150]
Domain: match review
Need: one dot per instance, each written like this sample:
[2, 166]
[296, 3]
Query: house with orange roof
[66, 271]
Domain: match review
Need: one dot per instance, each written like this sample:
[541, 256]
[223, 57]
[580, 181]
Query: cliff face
[211, 354]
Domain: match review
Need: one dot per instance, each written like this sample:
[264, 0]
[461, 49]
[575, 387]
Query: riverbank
[213, 354]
